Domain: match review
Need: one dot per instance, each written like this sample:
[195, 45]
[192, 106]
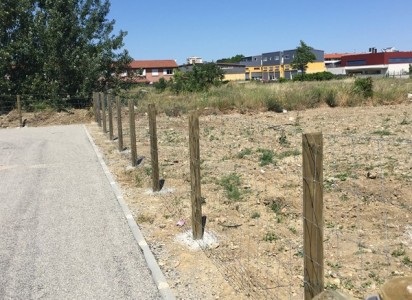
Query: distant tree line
[59, 47]
[234, 59]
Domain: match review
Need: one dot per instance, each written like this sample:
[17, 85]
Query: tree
[303, 57]
[234, 59]
[59, 47]
[199, 79]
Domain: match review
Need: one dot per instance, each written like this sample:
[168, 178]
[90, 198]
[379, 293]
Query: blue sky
[214, 29]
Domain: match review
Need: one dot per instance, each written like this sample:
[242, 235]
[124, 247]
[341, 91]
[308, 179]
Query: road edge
[157, 274]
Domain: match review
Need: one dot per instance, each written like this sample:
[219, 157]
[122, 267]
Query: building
[231, 71]
[389, 62]
[274, 65]
[150, 71]
[194, 60]
[253, 67]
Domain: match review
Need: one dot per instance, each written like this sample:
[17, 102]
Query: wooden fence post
[19, 110]
[119, 123]
[312, 165]
[103, 100]
[110, 109]
[98, 115]
[197, 226]
[153, 148]
[132, 133]
[94, 106]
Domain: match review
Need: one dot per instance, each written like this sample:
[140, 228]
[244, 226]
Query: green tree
[410, 70]
[234, 59]
[17, 43]
[303, 57]
[59, 47]
[200, 78]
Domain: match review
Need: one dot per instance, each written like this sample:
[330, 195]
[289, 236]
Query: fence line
[255, 202]
[264, 258]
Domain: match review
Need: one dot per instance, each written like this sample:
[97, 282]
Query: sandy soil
[251, 167]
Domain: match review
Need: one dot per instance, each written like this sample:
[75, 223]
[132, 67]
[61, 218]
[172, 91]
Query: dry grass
[255, 96]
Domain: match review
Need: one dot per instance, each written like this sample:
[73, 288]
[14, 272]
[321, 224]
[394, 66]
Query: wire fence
[33, 103]
[251, 176]
[252, 197]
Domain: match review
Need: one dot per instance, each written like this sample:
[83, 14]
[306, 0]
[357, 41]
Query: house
[274, 65]
[194, 60]
[388, 62]
[149, 71]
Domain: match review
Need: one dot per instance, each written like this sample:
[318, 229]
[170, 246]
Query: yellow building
[275, 65]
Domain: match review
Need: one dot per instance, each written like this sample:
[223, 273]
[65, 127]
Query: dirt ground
[251, 166]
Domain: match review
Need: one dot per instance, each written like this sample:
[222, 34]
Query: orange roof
[334, 55]
[148, 64]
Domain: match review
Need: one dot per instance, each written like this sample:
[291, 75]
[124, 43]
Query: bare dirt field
[251, 168]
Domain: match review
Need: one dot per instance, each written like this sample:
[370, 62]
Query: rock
[333, 295]
[397, 288]
[370, 175]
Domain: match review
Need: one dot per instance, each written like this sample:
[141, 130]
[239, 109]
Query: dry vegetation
[255, 96]
[251, 183]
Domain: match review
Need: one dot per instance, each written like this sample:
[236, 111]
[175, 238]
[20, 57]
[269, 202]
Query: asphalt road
[62, 232]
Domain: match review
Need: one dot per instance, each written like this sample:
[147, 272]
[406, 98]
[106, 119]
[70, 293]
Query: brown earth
[257, 224]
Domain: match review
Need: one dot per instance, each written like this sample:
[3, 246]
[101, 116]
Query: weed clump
[231, 184]
[273, 105]
[266, 157]
[363, 87]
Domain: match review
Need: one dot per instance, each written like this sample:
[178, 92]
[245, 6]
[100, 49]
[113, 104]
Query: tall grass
[276, 96]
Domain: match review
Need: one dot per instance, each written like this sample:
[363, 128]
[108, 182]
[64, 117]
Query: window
[265, 59]
[155, 72]
[286, 56]
[167, 72]
[404, 60]
[357, 62]
[276, 57]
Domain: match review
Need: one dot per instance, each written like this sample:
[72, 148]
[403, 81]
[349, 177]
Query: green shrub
[320, 76]
[273, 105]
[266, 157]
[331, 98]
[364, 87]
[200, 78]
[161, 85]
[231, 185]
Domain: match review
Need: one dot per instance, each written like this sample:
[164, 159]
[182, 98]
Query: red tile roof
[150, 64]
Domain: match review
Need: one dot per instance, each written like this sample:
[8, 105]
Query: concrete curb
[157, 274]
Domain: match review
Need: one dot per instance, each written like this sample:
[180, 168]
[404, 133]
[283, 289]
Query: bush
[282, 80]
[273, 105]
[364, 87]
[161, 85]
[200, 79]
[331, 99]
[320, 76]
